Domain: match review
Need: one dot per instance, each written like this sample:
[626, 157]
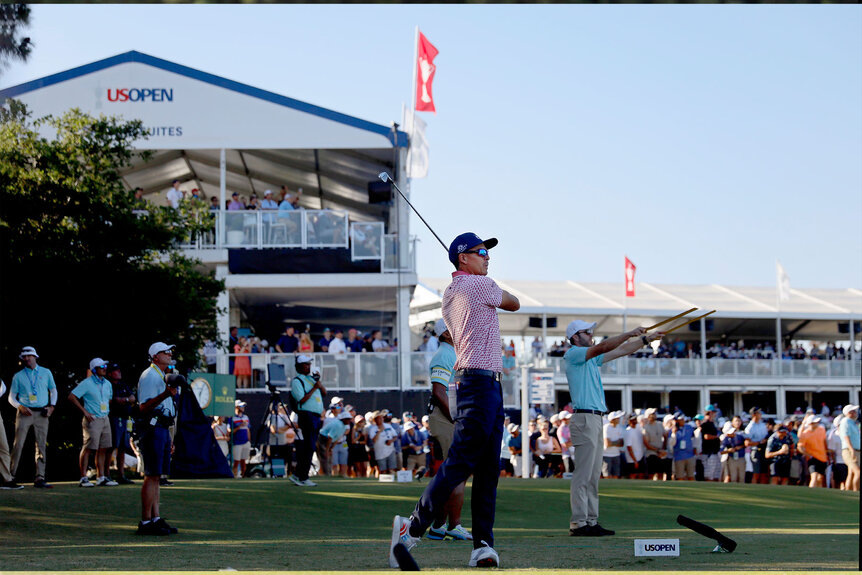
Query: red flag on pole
[630, 278]
[425, 54]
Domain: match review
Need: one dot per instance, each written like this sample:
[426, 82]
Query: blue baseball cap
[466, 241]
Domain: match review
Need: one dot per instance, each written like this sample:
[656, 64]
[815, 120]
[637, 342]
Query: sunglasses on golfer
[482, 252]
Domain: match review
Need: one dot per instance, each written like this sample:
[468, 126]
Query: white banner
[417, 154]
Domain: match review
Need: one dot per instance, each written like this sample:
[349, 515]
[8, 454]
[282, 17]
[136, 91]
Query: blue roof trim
[397, 138]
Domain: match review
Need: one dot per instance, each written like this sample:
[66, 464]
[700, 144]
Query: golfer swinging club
[583, 361]
[470, 311]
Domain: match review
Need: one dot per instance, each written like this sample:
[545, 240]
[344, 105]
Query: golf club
[384, 176]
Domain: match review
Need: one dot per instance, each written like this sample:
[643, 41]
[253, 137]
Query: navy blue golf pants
[309, 424]
[475, 450]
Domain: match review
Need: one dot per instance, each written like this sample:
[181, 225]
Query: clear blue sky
[704, 142]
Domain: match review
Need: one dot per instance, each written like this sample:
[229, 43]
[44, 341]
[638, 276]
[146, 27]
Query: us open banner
[215, 393]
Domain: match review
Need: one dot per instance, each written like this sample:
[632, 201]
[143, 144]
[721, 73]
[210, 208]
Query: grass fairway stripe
[344, 526]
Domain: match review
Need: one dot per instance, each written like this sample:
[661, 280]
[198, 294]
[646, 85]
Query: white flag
[783, 283]
[417, 153]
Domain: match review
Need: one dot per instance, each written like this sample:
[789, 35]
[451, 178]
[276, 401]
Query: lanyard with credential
[34, 380]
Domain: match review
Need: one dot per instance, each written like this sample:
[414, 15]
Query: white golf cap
[335, 400]
[440, 327]
[409, 425]
[513, 427]
[848, 408]
[555, 418]
[650, 411]
[267, 192]
[28, 350]
[565, 414]
[303, 358]
[345, 415]
[97, 362]
[728, 429]
[579, 325]
[616, 415]
[159, 347]
[239, 403]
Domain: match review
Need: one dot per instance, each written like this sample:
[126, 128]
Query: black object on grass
[724, 543]
[405, 560]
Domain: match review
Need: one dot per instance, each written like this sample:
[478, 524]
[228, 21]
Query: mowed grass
[344, 525]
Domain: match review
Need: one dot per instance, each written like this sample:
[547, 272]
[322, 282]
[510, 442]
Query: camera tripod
[263, 432]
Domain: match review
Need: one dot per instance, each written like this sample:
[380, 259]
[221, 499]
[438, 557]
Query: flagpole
[415, 73]
[779, 348]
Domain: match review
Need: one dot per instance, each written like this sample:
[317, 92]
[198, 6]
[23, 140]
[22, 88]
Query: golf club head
[405, 560]
[384, 176]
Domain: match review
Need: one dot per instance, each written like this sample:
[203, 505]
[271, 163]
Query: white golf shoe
[400, 534]
[484, 556]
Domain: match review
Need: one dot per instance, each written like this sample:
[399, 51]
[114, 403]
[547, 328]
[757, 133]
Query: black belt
[593, 411]
[495, 375]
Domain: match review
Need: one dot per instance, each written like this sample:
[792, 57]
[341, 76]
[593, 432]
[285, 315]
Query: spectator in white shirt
[337, 345]
[634, 449]
[175, 194]
[378, 343]
[613, 435]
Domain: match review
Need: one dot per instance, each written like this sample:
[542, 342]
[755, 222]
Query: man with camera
[156, 391]
[307, 394]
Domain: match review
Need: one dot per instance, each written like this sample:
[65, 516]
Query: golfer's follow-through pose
[583, 361]
[469, 309]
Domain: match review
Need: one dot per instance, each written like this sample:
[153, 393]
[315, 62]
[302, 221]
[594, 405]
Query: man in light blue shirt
[34, 394]
[307, 392]
[756, 436]
[848, 431]
[583, 362]
[97, 392]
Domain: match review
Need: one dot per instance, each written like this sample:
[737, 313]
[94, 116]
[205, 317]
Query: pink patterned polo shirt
[470, 305]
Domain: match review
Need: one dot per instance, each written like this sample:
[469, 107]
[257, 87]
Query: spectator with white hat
[564, 436]
[732, 451]
[96, 392]
[837, 467]
[849, 434]
[515, 444]
[812, 444]
[612, 434]
[654, 442]
[241, 433]
[307, 393]
[633, 449]
[383, 436]
[681, 441]
[334, 434]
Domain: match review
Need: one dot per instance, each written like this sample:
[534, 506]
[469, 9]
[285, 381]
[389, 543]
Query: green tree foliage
[83, 274]
[13, 17]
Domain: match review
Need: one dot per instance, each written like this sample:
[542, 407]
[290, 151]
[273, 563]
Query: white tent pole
[526, 458]
[703, 346]
[852, 339]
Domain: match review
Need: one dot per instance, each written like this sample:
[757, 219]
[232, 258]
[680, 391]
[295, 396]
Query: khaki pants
[5, 459]
[586, 435]
[734, 469]
[23, 423]
[442, 429]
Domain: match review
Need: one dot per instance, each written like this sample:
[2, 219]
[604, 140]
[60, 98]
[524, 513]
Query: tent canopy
[747, 311]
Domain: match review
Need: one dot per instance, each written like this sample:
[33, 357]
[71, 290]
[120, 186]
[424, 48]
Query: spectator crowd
[813, 449]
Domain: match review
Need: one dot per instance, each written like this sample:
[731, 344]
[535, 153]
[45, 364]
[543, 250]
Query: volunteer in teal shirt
[96, 391]
[34, 394]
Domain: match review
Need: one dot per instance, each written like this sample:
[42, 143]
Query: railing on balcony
[666, 368]
[379, 371]
[303, 229]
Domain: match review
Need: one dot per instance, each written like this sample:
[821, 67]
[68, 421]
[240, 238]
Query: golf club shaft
[418, 214]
